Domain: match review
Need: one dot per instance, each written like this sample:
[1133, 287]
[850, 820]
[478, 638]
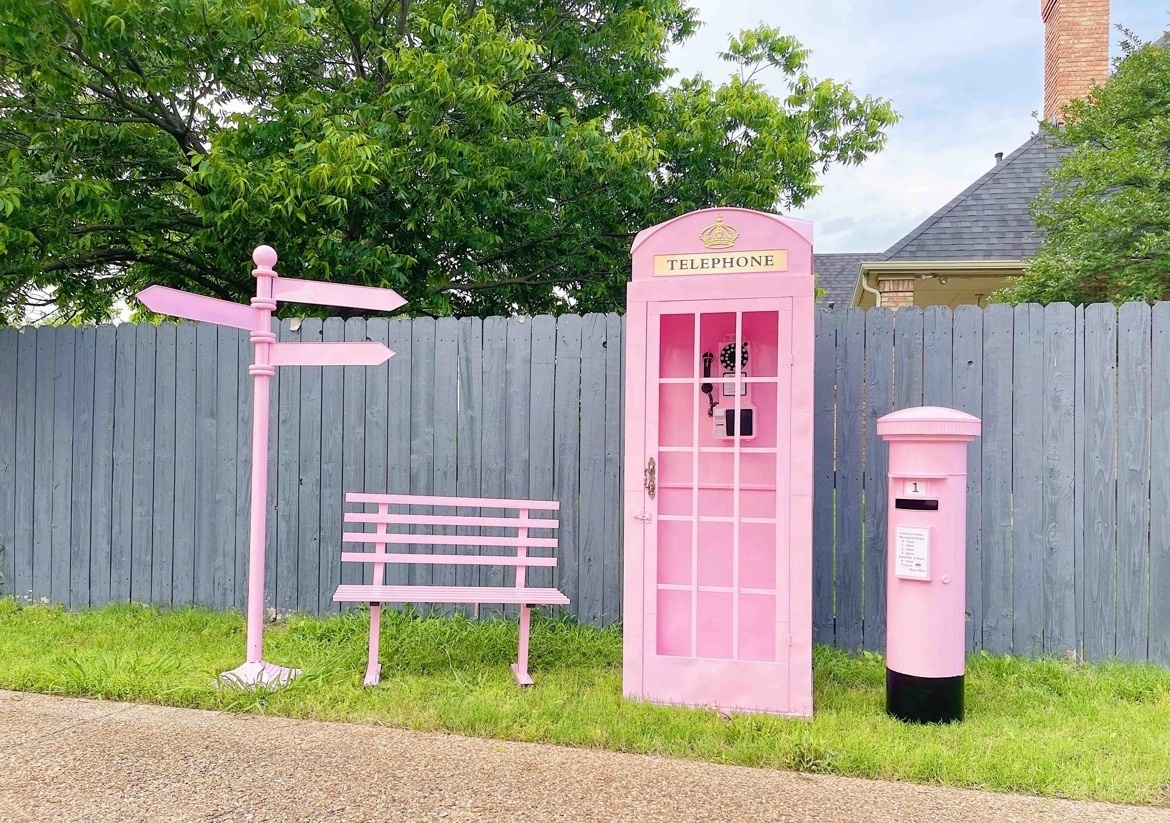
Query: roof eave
[958, 268]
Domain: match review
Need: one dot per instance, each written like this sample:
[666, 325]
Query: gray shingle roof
[990, 220]
[837, 275]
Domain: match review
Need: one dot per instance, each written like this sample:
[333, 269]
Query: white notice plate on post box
[912, 553]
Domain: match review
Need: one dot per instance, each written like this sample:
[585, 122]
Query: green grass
[1047, 727]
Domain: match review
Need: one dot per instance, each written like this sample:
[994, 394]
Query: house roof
[990, 219]
[837, 275]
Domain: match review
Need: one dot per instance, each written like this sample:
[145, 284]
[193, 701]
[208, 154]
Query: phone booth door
[718, 510]
[718, 558]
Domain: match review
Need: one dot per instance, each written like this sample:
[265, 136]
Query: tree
[1106, 216]
[478, 157]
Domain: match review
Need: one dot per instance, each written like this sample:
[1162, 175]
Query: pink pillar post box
[718, 492]
[927, 562]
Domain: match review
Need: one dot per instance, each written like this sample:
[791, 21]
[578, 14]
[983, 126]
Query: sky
[967, 78]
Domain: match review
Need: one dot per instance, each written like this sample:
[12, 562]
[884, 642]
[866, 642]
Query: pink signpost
[257, 318]
[718, 491]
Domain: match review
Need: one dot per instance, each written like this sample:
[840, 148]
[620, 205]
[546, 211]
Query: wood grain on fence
[124, 468]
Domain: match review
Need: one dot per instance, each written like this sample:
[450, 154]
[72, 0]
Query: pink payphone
[718, 492]
[926, 567]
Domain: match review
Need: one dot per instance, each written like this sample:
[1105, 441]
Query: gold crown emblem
[720, 235]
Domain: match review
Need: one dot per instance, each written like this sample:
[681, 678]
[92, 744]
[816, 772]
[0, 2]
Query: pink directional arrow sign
[336, 294]
[329, 354]
[257, 318]
[183, 304]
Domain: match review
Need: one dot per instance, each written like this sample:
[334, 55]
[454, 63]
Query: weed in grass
[1048, 727]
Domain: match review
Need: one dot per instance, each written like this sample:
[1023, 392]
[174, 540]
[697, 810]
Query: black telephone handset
[707, 388]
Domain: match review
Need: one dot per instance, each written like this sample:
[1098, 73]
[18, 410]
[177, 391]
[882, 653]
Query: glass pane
[674, 552]
[716, 552]
[676, 350]
[675, 468]
[757, 627]
[674, 623]
[676, 414]
[760, 332]
[757, 556]
[716, 619]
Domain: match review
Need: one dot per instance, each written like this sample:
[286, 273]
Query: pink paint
[520, 594]
[287, 290]
[926, 566]
[176, 303]
[329, 354]
[718, 537]
[269, 354]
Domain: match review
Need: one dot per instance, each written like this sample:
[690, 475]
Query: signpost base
[264, 675]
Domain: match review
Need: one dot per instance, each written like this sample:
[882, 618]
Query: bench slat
[455, 502]
[452, 520]
[449, 594]
[448, 559]
[449, 540]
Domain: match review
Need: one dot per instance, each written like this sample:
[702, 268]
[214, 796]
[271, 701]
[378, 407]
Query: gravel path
[81, 760]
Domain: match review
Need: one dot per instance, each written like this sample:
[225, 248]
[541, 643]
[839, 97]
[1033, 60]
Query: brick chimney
[1076, 51]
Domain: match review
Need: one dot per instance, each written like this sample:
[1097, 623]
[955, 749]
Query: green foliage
[479, 158]
[1048, 727]
[1106, 217]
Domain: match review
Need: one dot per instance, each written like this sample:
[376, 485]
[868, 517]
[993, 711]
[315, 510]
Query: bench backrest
[423, 531]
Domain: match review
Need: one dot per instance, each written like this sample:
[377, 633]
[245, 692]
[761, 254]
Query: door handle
[651, 478]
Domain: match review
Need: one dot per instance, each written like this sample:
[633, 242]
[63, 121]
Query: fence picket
[591, 486]
[183, 557]
[9, 347]
[469, 434]
[422, 432]
[286, 524]
[850, 497]
[541, 414]
[997, 479]
[162, 547]
[122, 503]
[1029, 535]
[65, 353]
[1160, 487]
[81, 490]
[227, 401]
[879, 401]
[145, 404]
[824, 404]
[445, 459]
[614, 384]
[332, 445]
[493, 435]
[567, 454]
[518, 376]
[938, 336]
[1100, 488]
[1133, 480]
[967, 380]
[1059, 580]
[310, 595]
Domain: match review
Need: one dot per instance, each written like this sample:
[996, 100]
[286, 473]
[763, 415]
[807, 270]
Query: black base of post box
[924, 699]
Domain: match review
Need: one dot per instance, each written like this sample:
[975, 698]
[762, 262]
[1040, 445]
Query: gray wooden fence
[124, 468]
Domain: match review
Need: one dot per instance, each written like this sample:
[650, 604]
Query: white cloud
[966, 78]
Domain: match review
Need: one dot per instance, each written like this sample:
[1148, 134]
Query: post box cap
[929, 423]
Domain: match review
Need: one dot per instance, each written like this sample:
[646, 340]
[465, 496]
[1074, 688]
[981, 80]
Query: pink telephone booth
[718, 487]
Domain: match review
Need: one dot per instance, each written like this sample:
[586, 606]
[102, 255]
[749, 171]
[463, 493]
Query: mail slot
[926, 562]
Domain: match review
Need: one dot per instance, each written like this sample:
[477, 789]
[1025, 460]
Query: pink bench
[378, 593]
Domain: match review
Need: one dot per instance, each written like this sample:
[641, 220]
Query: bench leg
[520, 667]
[374, 668]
